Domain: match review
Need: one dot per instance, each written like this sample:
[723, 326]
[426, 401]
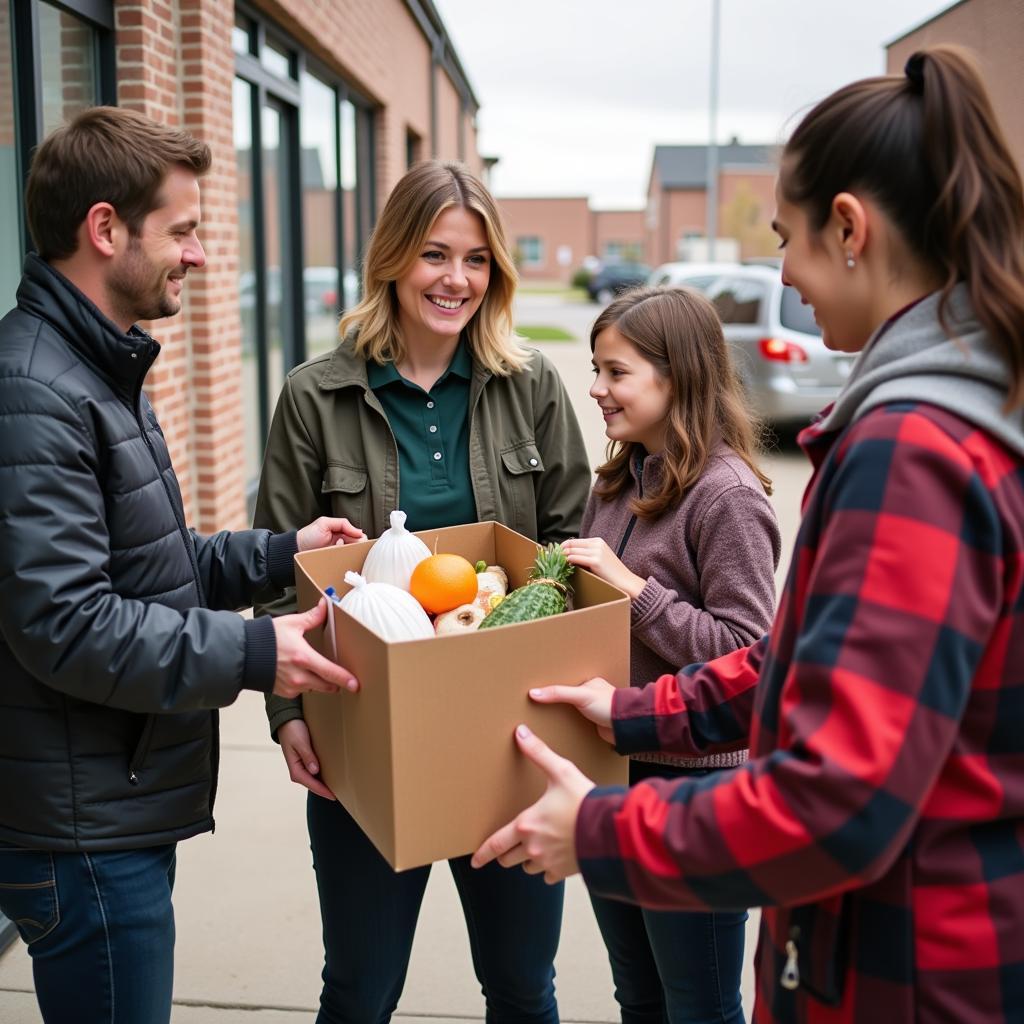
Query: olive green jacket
[332, 452]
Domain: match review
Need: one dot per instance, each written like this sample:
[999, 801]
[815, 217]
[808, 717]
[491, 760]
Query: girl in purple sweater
[680, 521]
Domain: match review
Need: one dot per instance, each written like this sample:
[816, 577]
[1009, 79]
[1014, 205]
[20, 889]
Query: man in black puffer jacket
[118, 641]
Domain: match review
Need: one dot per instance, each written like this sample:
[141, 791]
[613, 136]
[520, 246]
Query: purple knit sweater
[710, 570]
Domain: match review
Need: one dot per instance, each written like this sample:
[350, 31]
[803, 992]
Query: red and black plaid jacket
[880, 820]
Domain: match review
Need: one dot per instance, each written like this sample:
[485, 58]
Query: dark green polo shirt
[432, 431]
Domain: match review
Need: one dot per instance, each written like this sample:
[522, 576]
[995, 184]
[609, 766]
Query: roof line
[432, 25]
[921, 24]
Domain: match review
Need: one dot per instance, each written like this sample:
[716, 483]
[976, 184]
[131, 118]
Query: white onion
[389, 611]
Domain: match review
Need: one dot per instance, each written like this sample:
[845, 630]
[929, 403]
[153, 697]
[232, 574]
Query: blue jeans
[369, 917]
[99, 929]
[672, 967]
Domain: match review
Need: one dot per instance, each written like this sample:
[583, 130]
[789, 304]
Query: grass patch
[544, 333]
[560, 291]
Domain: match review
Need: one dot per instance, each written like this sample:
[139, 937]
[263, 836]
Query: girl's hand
[298, 752]
[592, 699]
[593, 554]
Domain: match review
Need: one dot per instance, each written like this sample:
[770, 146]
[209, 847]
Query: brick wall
[557, 222]
[148, 53]
[624, 227]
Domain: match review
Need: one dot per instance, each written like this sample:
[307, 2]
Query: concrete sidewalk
[248, 925]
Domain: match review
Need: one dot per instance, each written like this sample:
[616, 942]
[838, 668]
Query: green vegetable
[544, 595]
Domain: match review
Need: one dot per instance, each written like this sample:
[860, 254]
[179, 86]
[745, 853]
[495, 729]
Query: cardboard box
[423, 757]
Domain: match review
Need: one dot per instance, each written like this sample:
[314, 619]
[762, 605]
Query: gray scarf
[913, 360]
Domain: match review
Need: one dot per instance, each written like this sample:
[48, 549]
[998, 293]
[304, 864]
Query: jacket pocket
[28, 891]
[816, 942]
[141, 752]
[522, 468]
[345, 488]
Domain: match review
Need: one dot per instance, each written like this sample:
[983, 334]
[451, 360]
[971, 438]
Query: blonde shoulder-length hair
[414, 205]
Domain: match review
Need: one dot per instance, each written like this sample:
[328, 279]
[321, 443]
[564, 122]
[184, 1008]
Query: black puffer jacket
[111, 657]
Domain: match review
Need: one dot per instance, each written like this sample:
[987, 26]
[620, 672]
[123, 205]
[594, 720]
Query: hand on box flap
[299, 667]
[592, 699]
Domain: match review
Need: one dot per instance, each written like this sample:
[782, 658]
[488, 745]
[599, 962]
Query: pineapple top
[551, 565]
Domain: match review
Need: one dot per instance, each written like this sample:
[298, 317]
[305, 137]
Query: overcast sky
[574, 94]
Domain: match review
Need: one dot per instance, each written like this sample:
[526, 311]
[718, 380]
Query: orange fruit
[443, 582]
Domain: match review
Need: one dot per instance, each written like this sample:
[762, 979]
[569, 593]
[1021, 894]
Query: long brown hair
[927, 147]
[421, 195]
[104, 155]
[678, 332]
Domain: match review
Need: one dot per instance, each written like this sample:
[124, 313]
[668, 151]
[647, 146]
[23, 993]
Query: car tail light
[781, 351]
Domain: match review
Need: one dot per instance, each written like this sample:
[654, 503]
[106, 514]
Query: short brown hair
[105, 154]
[678, 332]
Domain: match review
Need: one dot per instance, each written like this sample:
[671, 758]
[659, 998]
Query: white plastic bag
[387, 610]
[395, 555]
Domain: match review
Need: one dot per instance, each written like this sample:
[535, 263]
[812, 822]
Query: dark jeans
[672, 967]
[369, 917]
[99, 929]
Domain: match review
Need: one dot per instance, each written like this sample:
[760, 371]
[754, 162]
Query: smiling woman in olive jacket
[428, 405]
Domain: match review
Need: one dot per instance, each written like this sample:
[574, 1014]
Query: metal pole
[712, 171]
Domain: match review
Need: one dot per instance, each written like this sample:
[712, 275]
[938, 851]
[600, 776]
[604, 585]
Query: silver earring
[850, 261]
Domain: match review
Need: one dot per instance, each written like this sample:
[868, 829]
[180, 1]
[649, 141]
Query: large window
[56, 59]
[531, 250]
[321, 298]
[304, 149]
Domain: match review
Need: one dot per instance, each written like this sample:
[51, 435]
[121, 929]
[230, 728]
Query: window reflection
[319, 214]
[67, 52]
[276, 59]
[242, 35]
[352, 228]
[277, 186]
[10, 201]
[253, 434]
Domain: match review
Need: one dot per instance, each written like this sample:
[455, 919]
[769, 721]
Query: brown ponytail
[928, 148]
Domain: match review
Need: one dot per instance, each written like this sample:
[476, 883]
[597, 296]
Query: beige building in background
[994, 30]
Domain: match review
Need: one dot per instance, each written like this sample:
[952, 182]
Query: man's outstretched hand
[299, 667]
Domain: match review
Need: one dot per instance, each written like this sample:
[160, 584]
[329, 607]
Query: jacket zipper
[141, 750]
[147, 731]
[632, 518]
[790, 977]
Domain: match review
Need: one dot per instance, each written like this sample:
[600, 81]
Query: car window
[795, 315]
[738, 300]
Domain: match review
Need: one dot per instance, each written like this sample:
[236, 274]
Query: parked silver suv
[788, 372]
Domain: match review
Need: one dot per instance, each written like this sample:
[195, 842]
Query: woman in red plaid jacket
[880, 819]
